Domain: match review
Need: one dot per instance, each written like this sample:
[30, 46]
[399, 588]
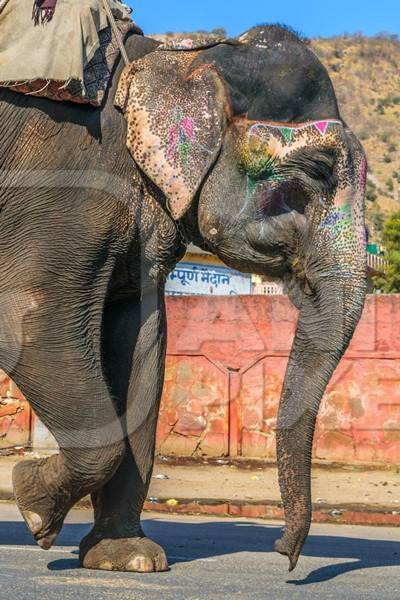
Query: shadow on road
[213, 539]
[191, 541]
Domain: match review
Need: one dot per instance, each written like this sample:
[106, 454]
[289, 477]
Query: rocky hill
[366, 75]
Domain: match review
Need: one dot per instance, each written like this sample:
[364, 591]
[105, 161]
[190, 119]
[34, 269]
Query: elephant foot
[43, 516]
[135, 555]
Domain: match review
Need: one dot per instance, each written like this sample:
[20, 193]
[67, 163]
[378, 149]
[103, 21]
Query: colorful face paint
[336, 216]
[292, 133]
[265, 146]
[282, 139]
[338, 219]
[268, 144]
[338, 226]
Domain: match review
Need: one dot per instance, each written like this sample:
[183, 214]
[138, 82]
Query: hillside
[366, 75]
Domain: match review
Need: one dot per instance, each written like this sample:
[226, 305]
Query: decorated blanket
[60, 49]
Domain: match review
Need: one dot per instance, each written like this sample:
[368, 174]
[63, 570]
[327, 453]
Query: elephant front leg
[134, 355]
[117, 541]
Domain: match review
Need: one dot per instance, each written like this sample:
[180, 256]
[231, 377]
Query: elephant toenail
[106, 565]
[34, 521]
[140, 564]
[47, 542]
[161, 563]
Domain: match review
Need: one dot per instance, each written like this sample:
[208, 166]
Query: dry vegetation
[366, 75]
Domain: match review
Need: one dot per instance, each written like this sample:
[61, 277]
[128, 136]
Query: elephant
[234, 145]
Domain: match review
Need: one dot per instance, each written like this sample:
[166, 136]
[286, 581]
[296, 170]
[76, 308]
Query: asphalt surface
[210, 559]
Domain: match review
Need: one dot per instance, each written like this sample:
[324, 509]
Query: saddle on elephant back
[63, 50]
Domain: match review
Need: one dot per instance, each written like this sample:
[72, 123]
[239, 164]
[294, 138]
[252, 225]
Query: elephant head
[246, 143]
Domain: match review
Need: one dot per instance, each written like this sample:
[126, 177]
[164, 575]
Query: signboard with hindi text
[191, 279]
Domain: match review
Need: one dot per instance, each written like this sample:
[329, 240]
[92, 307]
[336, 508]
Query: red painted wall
[225, 368]
[15, 415]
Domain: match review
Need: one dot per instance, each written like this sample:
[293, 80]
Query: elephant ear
[176, 119]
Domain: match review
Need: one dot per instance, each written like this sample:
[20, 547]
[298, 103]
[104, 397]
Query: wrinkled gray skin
[86, 241]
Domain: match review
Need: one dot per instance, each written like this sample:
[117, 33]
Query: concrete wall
[225, 366]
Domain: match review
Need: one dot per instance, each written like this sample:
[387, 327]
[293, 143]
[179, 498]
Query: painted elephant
[238, 147]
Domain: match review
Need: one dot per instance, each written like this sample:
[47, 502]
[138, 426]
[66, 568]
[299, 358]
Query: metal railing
[377, 263]
[268, 289]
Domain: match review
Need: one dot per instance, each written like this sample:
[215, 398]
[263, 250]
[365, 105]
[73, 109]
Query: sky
[312, 18]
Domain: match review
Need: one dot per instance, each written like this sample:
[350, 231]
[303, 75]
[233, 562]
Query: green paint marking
[287, 133]
[184, 150]
[261, 167]
[345, 219]
[251, 186]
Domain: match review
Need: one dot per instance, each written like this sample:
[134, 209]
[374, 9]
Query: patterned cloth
[76, 67]
[43, 11]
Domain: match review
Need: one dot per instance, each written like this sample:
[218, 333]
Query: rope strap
[116, 32]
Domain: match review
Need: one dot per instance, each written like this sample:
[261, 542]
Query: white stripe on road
[192, 558]
[33, 549]
[69, 551]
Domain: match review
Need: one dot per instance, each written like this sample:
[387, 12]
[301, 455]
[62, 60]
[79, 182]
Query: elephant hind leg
[57, 299]
[45, 490]
[43, 517]
[81, 415]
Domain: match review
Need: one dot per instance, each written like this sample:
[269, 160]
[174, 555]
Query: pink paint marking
[322, 126]
[173, 140]
[187, 125]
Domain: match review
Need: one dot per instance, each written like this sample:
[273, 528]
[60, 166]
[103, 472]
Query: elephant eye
[319, 170]
[319, 166]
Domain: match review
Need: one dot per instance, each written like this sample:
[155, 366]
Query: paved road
[211, 559]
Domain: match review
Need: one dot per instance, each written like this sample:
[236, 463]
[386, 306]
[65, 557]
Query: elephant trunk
[328, 317]
[326, 325]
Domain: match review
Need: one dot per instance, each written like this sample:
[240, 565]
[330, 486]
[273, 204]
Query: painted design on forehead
[289, 131]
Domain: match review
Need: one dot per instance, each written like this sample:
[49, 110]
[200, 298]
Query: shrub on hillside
[389, 283]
